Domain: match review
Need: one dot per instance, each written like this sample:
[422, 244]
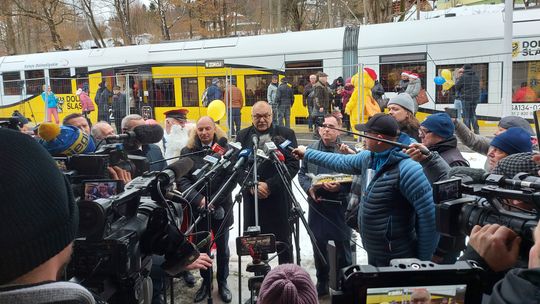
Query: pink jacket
[86, 103]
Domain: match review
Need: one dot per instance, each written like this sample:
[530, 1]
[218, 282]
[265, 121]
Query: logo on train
[526, 48]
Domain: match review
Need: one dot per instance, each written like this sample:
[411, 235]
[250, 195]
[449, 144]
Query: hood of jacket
[194, 142]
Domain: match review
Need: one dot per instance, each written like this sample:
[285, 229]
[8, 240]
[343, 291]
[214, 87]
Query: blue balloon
[439, 80]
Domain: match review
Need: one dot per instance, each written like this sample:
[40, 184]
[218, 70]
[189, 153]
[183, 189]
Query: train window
[12, 83]
[60, 81]
[190, 92]
[525, 86]
[162, 93]
[447, 96]
[298, 73]
[208, 81]
[256, 87]
[35, 80]
[390, 74]
[82, 78]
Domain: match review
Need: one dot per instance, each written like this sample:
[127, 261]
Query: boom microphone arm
[424, 151]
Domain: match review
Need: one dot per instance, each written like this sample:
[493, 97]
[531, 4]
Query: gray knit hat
[38, 214]
[287, 284]
[516, 121]
[404, 100]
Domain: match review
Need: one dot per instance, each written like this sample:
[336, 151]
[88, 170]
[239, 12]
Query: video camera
[513, 203]
[118, 234]
[13, 123]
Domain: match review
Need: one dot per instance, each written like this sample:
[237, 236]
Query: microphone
[284, 144]
[260, 153]
[242, 158]
[219, 146]
[211, 161]
[175, 170]
[255, 140]
[144, 134]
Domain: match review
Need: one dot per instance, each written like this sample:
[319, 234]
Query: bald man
[205, 135]
[274, 202]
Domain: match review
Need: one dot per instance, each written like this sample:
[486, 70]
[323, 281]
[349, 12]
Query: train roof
[323, 41]
[266, 50]
[447, 30]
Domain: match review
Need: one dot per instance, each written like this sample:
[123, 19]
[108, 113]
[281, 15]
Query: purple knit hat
[287, 284]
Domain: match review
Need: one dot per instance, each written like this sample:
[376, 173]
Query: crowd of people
[391, 187]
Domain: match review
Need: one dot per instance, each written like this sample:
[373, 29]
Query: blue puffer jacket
[397, 214]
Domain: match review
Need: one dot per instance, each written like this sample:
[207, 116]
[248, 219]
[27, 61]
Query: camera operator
[327, 205]
[207, 133]
[497, 246]
[513, 141]
[38, 220]
[150, 151]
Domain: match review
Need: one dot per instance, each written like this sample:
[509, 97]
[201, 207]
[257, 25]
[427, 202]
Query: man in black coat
[274, 201]
[205, 135]
[468, 88]
[284, 100]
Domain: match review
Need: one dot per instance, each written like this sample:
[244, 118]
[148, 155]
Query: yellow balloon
[446, 74]
[216, 110]
[448, 85]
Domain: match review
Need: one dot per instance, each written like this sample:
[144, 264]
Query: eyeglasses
[423, 131]
[261, 116]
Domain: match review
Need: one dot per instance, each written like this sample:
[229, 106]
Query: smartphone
[536, 115]
[257, 244]
[94, 189]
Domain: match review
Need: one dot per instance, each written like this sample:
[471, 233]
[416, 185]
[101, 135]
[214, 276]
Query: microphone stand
[255, 185]
[297, 213]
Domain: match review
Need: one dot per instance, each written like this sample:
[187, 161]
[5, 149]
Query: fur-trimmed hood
[194, 141]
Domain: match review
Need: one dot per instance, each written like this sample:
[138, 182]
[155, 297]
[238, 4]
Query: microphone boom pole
[390, 142]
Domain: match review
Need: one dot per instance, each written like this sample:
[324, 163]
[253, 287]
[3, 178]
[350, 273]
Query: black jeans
[469, 116]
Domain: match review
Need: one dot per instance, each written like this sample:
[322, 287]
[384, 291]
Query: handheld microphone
[211, 161]
[219, 147]
[284, 144]
[144, 134]
[242, 158]
[260, 153]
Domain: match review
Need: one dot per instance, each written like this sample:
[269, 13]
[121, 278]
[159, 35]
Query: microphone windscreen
[148, 134]
[181, 167]
[65, 140]
[222, 142]
[476, 175]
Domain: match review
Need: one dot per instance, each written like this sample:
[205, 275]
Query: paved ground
[183, 294]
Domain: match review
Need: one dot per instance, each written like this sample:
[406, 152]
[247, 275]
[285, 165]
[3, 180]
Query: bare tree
[296, 10]
[87, 7]
[7, 32]
[122, 9]
[50, 12]
[378, 11]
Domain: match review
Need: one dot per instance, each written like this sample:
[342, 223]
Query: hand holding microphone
[416, 152]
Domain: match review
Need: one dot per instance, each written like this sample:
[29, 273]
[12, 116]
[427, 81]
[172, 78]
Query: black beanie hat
[38, 214]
